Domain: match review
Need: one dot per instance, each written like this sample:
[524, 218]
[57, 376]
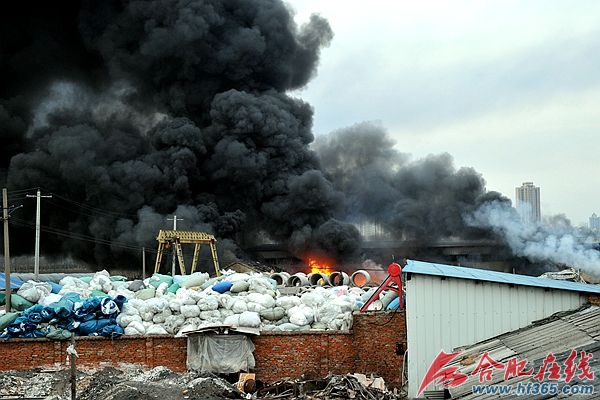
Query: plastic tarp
[220, 354]
[15, 283]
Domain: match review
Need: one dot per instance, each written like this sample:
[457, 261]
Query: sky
[510, 88]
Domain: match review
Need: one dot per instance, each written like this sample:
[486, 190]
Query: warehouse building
[448, 307]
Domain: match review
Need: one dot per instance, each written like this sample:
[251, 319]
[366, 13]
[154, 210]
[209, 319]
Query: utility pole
[36, 268]
[72, 352]
[7, 288]
[174, 219]
[143, 263]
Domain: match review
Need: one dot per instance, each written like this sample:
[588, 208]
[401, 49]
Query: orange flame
[317, 266]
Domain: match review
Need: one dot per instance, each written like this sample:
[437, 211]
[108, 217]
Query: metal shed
[449, 306]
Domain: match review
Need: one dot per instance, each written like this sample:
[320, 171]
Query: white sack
[156, 330]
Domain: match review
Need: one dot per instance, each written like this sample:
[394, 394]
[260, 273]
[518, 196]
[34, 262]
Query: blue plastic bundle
[222, 287]
[90, 317]
[120, 300]
[55, 287]
[48, 313]
[64, 307]
[87, 310]
[35, 314]
[94, 327]
[112, 331]
[108, 306]
[24, 327]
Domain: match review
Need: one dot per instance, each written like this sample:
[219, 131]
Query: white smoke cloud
[556, 243]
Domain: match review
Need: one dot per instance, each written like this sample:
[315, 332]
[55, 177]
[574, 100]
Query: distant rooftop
[451, 271]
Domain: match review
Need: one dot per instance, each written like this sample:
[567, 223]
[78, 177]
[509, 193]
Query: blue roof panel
[451, 271]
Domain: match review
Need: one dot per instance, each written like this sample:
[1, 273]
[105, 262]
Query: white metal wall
[445, 313]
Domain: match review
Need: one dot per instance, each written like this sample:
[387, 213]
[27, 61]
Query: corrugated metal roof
[558, 334]
[451, 271]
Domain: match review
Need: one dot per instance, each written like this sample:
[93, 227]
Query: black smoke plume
[130, 111]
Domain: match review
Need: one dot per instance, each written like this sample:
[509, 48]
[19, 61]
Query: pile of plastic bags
[94, 316]
[163, 305]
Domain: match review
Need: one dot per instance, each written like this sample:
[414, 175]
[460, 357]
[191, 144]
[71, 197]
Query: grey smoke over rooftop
[422, 200]
[553, 241]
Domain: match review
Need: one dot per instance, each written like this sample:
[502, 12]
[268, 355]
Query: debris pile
[104, 305]
[132, 383]
[355, 386]
[114, 384]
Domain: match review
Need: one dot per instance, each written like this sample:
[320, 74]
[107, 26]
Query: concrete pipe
[298, 279]
[339, 278]
[388, 298]
[318, 279]
[360, 278]
[280, 277]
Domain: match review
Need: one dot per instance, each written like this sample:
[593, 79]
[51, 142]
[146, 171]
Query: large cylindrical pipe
[388, 297]
[318, 279]
[280, 278]
[360, 278]
[298, 279]
[339, 278]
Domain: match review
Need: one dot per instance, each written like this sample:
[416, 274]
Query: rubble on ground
[352, 386]
[114, 384]
[105, 305]
[160, 383]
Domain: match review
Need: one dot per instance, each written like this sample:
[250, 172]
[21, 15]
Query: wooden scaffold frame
[174, 239]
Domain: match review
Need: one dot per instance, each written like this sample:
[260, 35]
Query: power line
[10, 199]
[20, 191]
[80, 236]
[94, 209]
[20, 194]
[76, 211]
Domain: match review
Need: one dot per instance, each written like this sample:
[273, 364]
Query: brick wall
[370, 347]
[25, 354]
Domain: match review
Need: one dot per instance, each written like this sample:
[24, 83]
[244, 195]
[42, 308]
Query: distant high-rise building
[528, 202]
[595, 222]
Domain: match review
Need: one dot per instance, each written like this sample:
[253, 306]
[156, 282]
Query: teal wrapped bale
[19, 303]
[157, 279]
[98, 293]
[173, 288]
[8, 319]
